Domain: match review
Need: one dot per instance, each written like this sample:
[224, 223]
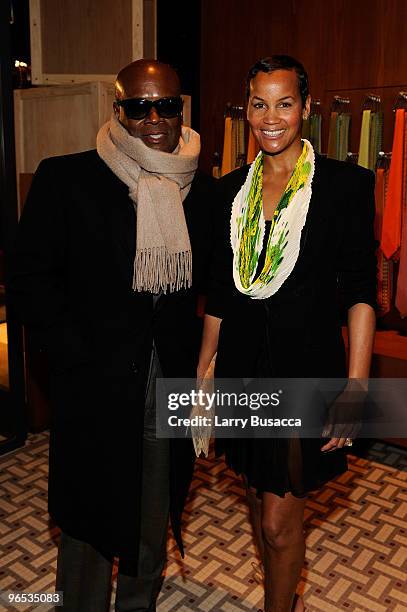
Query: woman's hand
[345, 415]
[334, 444]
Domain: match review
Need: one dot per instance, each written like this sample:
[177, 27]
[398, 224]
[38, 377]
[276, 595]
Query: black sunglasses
[139, 108]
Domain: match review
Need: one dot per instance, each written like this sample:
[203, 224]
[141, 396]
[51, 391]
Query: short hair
[280, 62]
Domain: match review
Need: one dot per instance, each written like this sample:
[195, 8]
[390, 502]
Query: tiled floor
[389, 455]
[356, 538]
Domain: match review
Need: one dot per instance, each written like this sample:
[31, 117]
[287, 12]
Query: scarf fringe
[156, 270]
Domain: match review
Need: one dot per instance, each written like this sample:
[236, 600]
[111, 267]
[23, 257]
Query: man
[109, 243]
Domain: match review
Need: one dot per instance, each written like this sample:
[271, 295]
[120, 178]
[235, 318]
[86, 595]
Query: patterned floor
[389, 455]
[356, 526]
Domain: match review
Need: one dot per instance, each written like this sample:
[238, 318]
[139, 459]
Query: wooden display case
[58, 120]
[76, 41]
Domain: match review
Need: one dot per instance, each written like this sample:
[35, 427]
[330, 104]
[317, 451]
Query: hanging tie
[343, 136]
[315, 132]
[252, 148]
[306, 129]
[241, 146]
[401, 294]
[391, 231]
[363, 159]
[332, 137]
[385, 266]
[227, 147]
[235, 143]
[376, 138]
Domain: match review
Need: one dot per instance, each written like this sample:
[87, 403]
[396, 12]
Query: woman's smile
[273, 134]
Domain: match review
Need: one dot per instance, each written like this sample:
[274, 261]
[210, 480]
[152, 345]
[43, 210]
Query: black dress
[296, 333]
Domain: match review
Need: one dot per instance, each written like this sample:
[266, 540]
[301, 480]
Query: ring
[348, 442]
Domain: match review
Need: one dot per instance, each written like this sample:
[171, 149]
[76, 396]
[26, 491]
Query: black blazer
[71, 280]
[297, 331]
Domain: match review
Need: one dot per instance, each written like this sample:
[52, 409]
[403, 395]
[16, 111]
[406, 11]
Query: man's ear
[116, 109]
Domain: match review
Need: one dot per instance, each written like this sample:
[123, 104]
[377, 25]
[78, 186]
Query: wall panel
[69, 21]
[349, 47]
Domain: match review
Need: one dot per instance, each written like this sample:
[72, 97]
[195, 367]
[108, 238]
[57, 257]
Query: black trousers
[84, 574]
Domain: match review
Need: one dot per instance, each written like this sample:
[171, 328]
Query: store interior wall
[348, 48]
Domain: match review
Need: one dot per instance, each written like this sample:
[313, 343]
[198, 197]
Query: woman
[296, 231]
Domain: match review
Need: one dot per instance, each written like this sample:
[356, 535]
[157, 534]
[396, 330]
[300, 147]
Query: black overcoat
[71, 280]
[296, 333]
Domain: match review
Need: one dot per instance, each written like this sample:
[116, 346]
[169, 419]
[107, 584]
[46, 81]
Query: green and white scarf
[247, 227]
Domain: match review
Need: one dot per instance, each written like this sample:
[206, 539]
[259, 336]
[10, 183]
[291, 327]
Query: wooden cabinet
[58, 120]
[89, 40]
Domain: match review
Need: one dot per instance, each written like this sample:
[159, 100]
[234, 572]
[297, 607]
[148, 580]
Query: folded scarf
[247, 227]
[158, 183]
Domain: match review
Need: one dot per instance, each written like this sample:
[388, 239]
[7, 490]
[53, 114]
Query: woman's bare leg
[255, 504]
[281, 516]
[284, 550]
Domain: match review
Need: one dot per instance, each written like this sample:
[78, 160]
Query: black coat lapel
[119, 219]
[120, 211]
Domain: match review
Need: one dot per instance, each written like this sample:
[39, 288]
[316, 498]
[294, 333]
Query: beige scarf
[158, 184]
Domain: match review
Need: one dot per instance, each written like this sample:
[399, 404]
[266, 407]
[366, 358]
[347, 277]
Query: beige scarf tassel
[153, 265]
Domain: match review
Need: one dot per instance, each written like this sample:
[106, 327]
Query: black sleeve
[221, 285]
[201, 224]
[357, 265]
[37, 275]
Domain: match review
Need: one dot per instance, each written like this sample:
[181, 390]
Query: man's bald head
[149, 80]
[145, 75]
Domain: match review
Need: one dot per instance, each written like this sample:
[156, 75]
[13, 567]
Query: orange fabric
[401, 293]
[379, 198]
[252, 148]
[391, 230]
[227, 148]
